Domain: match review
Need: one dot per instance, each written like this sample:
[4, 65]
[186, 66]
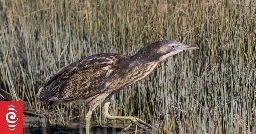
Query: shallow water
[66, 130]
[33, 125]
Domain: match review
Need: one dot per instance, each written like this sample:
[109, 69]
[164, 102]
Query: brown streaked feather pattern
[80, 80]
[95, 78]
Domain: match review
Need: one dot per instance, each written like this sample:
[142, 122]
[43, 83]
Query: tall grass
[211, 90]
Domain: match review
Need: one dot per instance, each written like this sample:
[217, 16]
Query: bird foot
[140, 123]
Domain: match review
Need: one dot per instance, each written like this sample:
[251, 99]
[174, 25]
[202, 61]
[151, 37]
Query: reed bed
[210, 90]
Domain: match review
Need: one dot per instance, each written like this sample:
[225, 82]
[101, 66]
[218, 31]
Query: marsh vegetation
[211, 90]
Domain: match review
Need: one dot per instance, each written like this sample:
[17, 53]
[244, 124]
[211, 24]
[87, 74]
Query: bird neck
[142, 66]
[131, 70]
[145, 56]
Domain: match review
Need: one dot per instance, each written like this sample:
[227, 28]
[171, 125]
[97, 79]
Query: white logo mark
[11, 117]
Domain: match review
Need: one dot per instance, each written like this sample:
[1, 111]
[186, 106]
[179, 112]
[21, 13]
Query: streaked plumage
[95, 78]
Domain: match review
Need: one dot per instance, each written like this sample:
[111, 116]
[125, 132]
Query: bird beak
[191, 47]
[180, 46]
[187, 47]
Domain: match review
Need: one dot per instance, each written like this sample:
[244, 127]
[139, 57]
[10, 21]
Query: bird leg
[134, 120]
[88, 121]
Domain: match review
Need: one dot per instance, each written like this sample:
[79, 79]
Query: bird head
[163, 49]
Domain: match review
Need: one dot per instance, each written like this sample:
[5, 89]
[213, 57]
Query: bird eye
[172, 46]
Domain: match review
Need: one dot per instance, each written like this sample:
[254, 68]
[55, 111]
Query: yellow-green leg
[135, 120]
[93, 103]
[88, 121]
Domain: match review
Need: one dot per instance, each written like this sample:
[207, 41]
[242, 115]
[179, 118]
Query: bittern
[96, 78]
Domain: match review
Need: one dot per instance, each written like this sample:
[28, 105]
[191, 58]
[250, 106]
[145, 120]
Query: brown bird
[96, 78]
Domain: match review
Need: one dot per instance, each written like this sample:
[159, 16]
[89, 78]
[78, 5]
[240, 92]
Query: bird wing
[79, 80]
